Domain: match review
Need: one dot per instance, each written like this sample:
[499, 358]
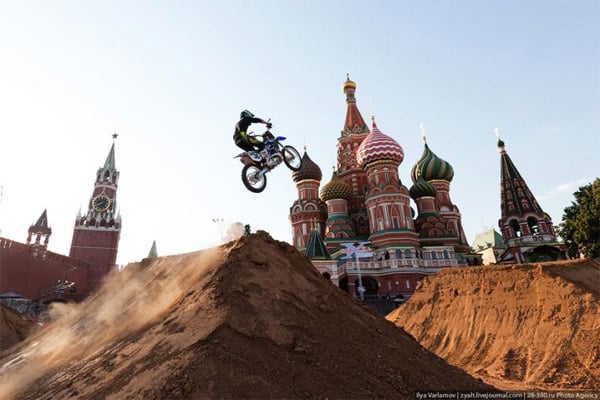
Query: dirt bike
[258, 163]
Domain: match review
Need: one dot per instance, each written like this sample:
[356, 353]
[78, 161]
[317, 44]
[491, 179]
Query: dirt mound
[517, 327]
[252, 319]
[13, 328]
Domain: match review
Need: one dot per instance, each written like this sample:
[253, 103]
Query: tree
[580, 226]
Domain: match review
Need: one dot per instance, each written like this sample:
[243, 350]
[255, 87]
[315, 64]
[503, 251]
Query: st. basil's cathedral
[365, 201]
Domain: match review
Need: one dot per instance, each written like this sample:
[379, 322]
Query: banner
[357, 250]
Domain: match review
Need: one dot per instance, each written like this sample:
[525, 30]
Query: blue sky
[172, 77]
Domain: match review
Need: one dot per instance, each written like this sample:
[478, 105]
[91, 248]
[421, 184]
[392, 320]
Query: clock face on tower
[101, 203]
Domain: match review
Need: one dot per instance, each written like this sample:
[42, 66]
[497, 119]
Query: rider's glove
[269, 125]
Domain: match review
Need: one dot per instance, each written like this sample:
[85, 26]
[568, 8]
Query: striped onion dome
[308, 170]
[336, 189]
[422, 188]
[378, 146]
[431, 167]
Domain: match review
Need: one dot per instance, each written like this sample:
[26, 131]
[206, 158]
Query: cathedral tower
[387, 199]
[354, 132]
[429, 224]
[96, 233]
[440, 173]
[336, 194]
[308, 212]
[527, 230]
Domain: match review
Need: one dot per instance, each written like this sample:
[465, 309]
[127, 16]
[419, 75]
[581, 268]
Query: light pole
[360, 249]
[361, 289]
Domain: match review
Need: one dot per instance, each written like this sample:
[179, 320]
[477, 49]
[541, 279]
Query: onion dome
[431, 167]
[348, 84]
[378, 146]
[422, 188]
[336, 189]
[308, 170]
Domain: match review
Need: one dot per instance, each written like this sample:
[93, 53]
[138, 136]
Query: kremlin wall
[363, 201]
[28, 271]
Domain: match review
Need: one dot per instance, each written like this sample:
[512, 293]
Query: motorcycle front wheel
[253, 181]
[291, 158]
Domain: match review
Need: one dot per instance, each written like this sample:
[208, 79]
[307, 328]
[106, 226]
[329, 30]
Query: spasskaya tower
[96, 233]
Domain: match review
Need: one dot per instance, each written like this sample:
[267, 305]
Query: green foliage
[580, 227]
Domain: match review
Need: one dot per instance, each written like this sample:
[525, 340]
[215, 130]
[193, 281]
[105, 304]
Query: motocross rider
[241, 138]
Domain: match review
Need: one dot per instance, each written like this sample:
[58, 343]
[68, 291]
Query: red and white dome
[378, 146]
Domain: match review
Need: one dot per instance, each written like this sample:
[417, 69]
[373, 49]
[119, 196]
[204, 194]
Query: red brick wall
[36, 277]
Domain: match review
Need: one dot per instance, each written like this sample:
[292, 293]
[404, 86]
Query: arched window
[514, 224]
[534, 227]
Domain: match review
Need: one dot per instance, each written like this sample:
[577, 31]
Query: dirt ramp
[14, 328]
[518, 327]
[253, 321]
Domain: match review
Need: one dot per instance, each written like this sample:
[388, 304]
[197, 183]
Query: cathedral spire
[315, 248]
[354, 122]
[527, 230]
[516, 198]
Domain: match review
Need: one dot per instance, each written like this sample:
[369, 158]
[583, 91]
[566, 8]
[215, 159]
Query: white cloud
[572, 186]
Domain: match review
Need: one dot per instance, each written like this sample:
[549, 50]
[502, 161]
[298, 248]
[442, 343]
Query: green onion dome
[430, 167]
[308, 170]
[336, 189]
[422, 188]
[378, 146]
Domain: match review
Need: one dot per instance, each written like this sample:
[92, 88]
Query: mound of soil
[251, 319]
[529, 326]
[14, 328]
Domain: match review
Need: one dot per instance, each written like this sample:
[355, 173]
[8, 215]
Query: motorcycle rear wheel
[252, 180]
[291, 158]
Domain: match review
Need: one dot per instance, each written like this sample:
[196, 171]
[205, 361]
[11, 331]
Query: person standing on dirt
[241, 138]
